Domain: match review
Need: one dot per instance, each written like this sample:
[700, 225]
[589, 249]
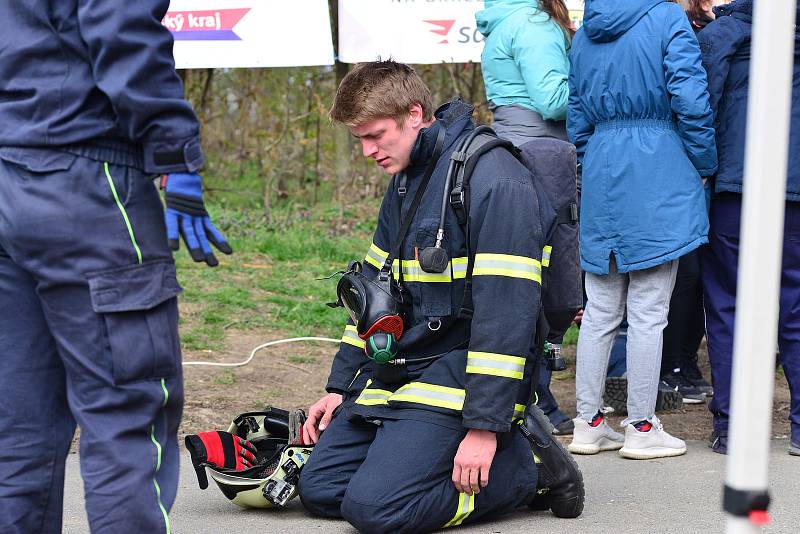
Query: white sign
[250, 33]
[416, 31]
[409, 31]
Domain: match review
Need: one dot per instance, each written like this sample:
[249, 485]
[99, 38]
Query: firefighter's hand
[319, 417]
[473, 460]
[186, 216]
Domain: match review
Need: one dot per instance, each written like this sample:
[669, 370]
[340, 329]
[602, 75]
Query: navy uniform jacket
[96, 78]
[725, 44]
[483, 380]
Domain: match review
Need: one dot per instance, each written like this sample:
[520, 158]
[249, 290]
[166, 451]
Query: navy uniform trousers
[88, 335]
[397, 476]
[719, 272]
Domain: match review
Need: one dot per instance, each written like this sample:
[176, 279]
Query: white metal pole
[768, 119]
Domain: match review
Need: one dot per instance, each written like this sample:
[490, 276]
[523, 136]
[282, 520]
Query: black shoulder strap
[394, 252]
[463, 160]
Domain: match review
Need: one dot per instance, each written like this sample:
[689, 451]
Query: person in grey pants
[640, 118]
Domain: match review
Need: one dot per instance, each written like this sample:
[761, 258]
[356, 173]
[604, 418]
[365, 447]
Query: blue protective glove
[186, 215]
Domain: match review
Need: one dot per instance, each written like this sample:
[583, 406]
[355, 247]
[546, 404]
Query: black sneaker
[560, 485]
[676, 381]
[692, 373]
[616, 396]
[719, 441]
[565, 428]
[794, 448]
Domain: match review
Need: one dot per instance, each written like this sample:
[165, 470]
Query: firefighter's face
[388, 142]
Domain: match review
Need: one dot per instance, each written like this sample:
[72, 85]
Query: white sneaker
[588, 439]
[654, 443]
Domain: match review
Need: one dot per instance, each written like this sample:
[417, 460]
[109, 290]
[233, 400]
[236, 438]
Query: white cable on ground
[263, 346]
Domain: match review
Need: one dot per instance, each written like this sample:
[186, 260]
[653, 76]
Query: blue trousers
[719, 272]
[546, 400]
[396, 477]
[88, 336]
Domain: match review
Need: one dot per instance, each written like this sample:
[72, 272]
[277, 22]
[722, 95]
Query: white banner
[250, 33]
[415, 31]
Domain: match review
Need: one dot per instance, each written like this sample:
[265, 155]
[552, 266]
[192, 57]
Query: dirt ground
[293, 375]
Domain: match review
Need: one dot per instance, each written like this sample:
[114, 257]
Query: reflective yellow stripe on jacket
[507, 265]
[373, 396]
[422, 393]
[350, 337]
[489, 363]
[546, 252]
[412, 271]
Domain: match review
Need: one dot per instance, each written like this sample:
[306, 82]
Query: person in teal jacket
[525, 66]
[640, 117]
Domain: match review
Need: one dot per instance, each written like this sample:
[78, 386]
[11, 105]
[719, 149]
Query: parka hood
[606, 21]
[495, 11]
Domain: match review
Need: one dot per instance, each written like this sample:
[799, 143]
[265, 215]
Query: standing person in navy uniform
[725, 44]
[443, 437]
[91, 110]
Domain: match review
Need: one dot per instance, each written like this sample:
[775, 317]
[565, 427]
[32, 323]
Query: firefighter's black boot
[560, 486]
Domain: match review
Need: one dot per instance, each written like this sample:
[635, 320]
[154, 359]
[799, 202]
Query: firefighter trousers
[88, 336]
[397, 477]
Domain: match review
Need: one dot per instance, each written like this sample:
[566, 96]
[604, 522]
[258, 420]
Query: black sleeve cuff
[181, 156]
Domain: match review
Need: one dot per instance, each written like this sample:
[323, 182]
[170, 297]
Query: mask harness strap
[386, 269]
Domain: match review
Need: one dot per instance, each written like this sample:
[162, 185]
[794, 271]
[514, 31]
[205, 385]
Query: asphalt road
[677, 495]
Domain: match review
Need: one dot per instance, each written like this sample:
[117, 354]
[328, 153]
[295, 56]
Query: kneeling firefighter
[427, 421]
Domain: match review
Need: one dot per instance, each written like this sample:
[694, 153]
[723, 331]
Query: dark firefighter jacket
[95, 78]
[483, 380]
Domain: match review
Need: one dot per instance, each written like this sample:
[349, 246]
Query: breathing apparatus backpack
[553, 164]
[271, 481]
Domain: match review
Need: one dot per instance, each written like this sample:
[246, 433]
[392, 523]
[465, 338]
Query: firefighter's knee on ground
[374, 518]
[317, 495]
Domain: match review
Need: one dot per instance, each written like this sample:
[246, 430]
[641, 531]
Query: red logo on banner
[444, 27]
[212, 25]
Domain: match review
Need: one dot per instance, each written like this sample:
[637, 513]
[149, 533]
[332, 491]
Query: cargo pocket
[139, 310]
[435, 288]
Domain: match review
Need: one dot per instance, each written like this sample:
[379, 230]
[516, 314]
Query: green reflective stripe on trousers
[158, 461]
[466, 505]
[166, 393]
[122, 210]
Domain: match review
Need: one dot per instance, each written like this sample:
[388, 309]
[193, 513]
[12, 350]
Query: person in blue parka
[726, 56]
[91, 110]
[640, 118]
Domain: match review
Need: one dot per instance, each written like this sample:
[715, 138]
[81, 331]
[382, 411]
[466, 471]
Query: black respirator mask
[376, 307]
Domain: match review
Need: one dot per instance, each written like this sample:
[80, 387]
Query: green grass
[273, 278]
